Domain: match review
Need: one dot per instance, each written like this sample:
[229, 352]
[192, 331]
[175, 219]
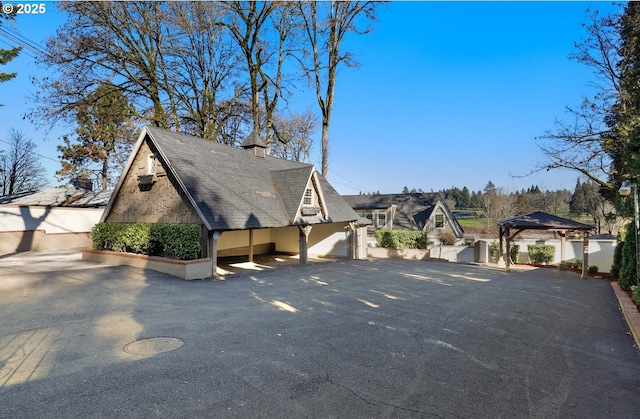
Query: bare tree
[20, 169]
[296, 132]
[326, 25]
[206, 67]
[103, 41]
[246, 22]
[586, 141]
[497, 205]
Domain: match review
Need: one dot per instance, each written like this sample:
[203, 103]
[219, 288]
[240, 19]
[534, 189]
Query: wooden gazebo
[542, 221]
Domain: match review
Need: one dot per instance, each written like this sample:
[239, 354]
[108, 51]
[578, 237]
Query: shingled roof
[232, 189]
[58, 197]
[542, 221]
[412, 209]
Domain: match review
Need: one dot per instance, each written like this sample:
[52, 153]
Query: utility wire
[29, 46]
[37, 154]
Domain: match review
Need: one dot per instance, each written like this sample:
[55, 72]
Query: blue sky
[447, 94]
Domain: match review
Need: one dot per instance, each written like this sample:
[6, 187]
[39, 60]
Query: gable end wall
[159, 203]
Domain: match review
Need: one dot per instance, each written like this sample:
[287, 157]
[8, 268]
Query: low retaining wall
[185, 269]
[38, 240]
[386, 253]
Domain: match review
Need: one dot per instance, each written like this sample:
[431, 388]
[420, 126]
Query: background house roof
[412, 210]
[234, 189]
[542, 221]
[59, 197]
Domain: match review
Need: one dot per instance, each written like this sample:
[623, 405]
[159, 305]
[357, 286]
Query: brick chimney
[85, 184]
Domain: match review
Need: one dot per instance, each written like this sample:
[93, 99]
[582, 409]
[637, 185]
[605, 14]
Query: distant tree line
[585, 203]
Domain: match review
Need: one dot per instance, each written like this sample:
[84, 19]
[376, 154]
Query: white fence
[600, 252]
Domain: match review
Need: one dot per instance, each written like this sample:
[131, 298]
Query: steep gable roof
[538, 220]
[232, 189]
[289, 183]
[413, 210]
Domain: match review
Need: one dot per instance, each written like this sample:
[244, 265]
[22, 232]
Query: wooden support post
[304, 243]
[213, 237]
[352, 241]
[250, 245]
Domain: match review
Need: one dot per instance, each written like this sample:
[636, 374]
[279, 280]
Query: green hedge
[541, 253]
[617, 254]
[515, 253]
[177, 241]
[402, 239]
[627, 275]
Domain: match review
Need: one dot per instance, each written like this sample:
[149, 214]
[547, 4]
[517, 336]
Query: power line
[37, 154]
[31, 46]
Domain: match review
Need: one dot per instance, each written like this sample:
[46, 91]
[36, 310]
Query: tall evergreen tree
[7, 55]
[577, 205]
[105, 134]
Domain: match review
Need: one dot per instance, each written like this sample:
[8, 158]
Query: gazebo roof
[543, 221]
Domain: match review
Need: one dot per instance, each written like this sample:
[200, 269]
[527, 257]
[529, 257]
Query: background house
[56, 218]
[245, 201]
[413, 211]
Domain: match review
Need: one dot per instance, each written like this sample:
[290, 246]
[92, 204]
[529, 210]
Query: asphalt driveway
[333, 340]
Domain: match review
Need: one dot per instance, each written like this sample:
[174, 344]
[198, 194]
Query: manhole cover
[152, 346]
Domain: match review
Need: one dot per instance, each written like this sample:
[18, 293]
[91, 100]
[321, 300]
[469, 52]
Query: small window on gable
[308, 197]
[439, 220]
[152, 163]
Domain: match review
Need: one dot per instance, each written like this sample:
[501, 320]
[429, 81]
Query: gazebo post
[585, 254]
[500, 253]
[507, 254]
[563, 242]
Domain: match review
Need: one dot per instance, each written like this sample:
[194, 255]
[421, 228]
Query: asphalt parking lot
[340, 339]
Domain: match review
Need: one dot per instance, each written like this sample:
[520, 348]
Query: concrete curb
[631, 313]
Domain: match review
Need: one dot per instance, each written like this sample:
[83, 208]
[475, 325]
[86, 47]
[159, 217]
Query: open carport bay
[337, 339]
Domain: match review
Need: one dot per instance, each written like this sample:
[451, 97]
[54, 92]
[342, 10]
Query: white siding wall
[51, 220]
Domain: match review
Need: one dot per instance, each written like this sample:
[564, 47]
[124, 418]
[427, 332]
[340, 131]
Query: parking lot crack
[382, 402]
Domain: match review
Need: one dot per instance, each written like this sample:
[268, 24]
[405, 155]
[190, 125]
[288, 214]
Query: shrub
[178, 241]
[494, 248]
[447, 238]
[401, 239]
[593, 269]
[636, 296]
[541, 253]
[627, 274]
[577, 264]
[617, 254]
[515, 253]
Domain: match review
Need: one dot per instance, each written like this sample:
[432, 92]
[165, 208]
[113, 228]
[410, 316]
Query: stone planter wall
[185, 269]
[386, 253]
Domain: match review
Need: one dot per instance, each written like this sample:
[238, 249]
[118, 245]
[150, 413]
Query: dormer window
[308, 197]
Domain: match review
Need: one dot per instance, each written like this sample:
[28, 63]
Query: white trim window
[439, 220]
[381, 220]
[308, 197]
[369, 216]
